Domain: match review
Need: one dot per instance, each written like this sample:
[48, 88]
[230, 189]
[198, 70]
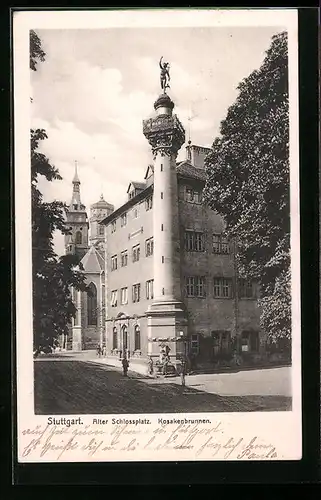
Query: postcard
[157, 242]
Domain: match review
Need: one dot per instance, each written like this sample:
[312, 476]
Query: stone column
[76, 330]
[166, 135]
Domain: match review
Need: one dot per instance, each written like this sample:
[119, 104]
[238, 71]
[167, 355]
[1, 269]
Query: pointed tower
[76, 219]
[98, 212]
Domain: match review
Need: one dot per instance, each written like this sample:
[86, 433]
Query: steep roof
[137, 185]
[185, 169]
[93, 261]
[149, 171]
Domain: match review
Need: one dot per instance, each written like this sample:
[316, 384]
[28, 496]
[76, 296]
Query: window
[101, 230]
[220, 244]
[114, 263]
[113, 226]
[125, 337]
[75, 298]
[194, 241]
[193, 196]
[149, 246]
[124, 296]
[124, 258]
[149, 289]
[136, 253]
[115, 339]
[92, 305]
[149, 203]
[221, 342]
[250, 341]
[246, 289]
[78, 238]
[113, 299]
[195, 286]
[195, 344]
[75, 206]
[136, 292]
[197, 197]
[135, 212]
[123, 220]
[137, 338]
[222, 288]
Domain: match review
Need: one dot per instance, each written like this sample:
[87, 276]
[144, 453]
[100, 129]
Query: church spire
[76, 178]
[75, 203]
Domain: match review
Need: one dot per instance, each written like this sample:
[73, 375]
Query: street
[66, 386]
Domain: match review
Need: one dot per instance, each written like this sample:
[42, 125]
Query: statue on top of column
[164, 75]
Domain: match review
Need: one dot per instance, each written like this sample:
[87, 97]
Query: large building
[170, 273]
[87, 241]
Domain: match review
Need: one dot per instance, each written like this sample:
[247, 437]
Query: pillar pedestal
[76, 338]
[166, 323]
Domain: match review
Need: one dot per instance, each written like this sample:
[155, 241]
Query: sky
[97, 85]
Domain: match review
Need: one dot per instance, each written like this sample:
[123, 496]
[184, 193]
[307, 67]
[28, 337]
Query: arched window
[78, 238]
[115, 340]
[125, 337]
[137, 338]
[92, 305]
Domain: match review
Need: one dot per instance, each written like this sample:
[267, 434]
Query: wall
[91, 334]
[137, 230]
[209, 314]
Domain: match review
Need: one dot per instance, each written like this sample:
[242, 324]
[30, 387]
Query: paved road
[264, 382]
[64, 386]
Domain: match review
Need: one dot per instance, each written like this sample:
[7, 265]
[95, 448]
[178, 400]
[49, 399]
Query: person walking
[183, 372]
[125, 364]
[150, 366]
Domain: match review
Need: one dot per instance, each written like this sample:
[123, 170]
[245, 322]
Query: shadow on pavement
[74, 387]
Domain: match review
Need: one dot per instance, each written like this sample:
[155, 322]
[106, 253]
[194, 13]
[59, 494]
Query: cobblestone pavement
[78, 387]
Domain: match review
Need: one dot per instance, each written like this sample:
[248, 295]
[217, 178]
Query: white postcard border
[282, 430]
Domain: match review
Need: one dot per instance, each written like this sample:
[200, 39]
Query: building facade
[87, 241]
[172, 279]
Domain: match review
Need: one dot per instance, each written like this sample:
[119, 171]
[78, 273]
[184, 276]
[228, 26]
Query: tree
[53, 276]
[36, 52]
[248, 184]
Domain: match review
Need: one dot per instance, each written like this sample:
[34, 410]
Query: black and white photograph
[157, 235]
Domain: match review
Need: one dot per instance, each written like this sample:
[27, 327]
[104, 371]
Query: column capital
[165, 134]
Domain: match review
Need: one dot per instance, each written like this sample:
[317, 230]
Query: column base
[166, 325]
[76, 339]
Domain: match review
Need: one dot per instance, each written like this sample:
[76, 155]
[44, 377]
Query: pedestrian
[125, 366]
[150, 366]
[165, 364]
[183, 372]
